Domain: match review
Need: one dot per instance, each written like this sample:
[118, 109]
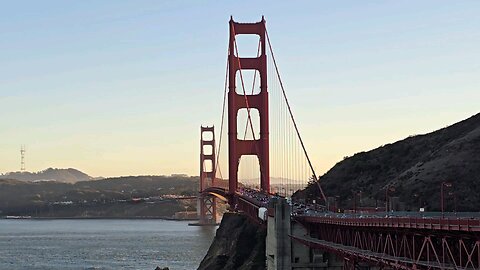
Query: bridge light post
[415, 198]
[355, 193]
[387, 189]
[335, 203]
[443, 185]
[359, 193]
[354, 202]
[451, 193]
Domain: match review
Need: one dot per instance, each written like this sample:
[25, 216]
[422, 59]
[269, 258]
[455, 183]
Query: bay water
[102, 244]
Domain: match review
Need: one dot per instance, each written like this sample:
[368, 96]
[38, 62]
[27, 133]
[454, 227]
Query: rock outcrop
[238, 244]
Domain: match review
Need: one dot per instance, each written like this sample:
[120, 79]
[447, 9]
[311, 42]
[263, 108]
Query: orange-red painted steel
[393, 242]
[208, 207]
[398, 243]
[259, 147]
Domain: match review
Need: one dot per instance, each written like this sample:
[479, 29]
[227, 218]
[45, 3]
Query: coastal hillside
[69, 175]
[127, 196]
[413, 170]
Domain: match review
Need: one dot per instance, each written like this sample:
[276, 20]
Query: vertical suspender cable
[293, 120]
[222, 121]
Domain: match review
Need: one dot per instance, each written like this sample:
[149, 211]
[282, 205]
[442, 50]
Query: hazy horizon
[117, 88]
[193, 175]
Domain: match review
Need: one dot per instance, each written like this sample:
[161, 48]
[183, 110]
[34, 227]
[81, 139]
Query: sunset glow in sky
[121, 87]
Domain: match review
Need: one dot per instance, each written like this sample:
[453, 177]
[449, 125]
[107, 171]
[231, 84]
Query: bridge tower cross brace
[260, 146]
[207, 204]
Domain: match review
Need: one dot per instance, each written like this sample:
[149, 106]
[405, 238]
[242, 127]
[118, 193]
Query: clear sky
[121, 87]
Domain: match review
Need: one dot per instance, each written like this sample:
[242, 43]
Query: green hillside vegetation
[107, 197]
[413, 169]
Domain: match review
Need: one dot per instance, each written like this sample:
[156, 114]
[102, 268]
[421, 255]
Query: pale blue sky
[121, 87]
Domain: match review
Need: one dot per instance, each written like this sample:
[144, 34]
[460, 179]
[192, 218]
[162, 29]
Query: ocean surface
[102, 244]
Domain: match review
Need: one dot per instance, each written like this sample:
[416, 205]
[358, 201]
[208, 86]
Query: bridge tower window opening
[244, 128]
[249, 172]
[247, 46]
[208, 170]
[207, 149]
[250, 79]
[207, 136]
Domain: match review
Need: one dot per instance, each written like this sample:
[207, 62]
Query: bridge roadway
[468, 222]
[429, 223]
[395, 240]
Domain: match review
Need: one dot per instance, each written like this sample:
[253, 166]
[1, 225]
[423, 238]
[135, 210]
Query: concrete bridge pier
[278, 245]
[283, 252]
[306, 258]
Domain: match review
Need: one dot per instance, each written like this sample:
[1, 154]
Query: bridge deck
[465, 225]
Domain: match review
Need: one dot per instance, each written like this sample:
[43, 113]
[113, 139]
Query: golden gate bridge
[260, 157]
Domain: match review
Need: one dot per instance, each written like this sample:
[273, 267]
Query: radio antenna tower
[22, 154]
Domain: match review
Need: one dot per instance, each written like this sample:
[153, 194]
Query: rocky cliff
[238, 244]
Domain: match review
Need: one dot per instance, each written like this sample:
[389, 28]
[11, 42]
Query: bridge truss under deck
[399, 243]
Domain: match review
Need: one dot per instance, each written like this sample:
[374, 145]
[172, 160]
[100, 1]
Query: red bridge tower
[207, 204]
[259, 146]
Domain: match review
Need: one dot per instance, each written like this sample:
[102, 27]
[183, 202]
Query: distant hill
[59, 175]
[415, 167]
[106, 197]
